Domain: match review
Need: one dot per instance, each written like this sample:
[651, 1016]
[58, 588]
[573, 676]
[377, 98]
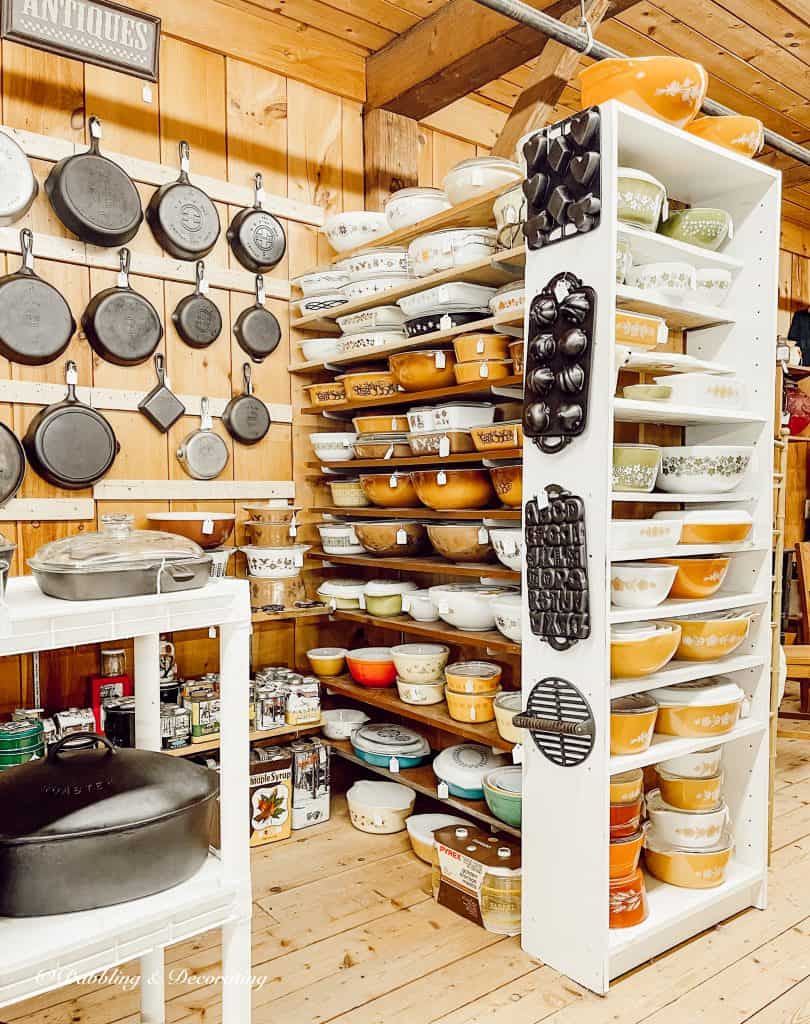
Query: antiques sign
[96, 31]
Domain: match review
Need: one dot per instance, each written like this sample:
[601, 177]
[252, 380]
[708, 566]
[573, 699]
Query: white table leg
[236, 969]
[153, 988]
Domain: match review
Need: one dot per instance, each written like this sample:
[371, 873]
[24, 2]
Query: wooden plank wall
[238, 118]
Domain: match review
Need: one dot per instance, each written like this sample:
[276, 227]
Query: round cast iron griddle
[246, 417]
[122, 325]
[12, 464]
[256, 329]
[94, 197]
[69, 444]
[36, 324]
[256, 237]
[197, 318]
[183, 219]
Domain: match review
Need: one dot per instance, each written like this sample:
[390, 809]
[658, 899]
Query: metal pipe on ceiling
[583, 42]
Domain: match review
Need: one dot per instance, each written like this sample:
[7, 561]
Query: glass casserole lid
[117, 545]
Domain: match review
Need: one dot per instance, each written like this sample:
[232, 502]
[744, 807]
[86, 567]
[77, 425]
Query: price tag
[72, 375]
[444, 608]
[333, 604]
[293, 529]
[393, 766]
[393, 482]
[208, 526]
[517, 753]
[441, 478]
[479, 346]
[445, 322]
[440, 360]
[483, 535]
[362, 601]
[146, 94]
[389, 453]
[484, 369]
[444, 446]
[402, 536]
[212, 632]
[442, 791]
[298, 559]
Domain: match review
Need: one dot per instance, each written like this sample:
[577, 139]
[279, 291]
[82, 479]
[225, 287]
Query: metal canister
[204, 706]
[119, 721]
[24, 714]
[10, 758]
[175, 726]
[304, 701]
[113, 662]
[20, 736]
[74, 720]
[271, 707]
[311, 787]
[169, 691]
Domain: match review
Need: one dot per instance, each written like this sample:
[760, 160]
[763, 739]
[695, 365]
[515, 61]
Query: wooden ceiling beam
[454, 52]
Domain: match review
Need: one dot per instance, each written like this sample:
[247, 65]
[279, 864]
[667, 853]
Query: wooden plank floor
[345, 931]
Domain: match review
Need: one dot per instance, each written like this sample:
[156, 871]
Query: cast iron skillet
[12, 464]
[196, 318]
[94, 197]
[69, 444]
[36, 324]
[255, 236]
[256, 329]
[122, 325]
[183, 219]
[246, 417]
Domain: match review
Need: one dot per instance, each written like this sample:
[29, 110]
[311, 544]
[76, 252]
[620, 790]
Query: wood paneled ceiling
[757, 53]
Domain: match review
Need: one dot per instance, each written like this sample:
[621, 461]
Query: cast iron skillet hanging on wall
[255, 236]
[256, 329]
[36, 324]
[183, 219]
[94, 197]
[12, 464]
[197, 318]
[246, 417]
[69, 444]
[122, 325]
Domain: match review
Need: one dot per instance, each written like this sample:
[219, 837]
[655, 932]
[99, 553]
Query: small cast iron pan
[256, 329]
[203, 454]
[12, 464]
[94, 197]
[256, 238]
[183, 219]
[196, 318]
[69, 444]
[246, 417]
[161, 406]
[122, 325]
[36, 324]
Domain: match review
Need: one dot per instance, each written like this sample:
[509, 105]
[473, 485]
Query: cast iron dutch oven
[122, 325]
[96, 827]
[36, 324]
[183, 219]
[256, 237]
[94, 197]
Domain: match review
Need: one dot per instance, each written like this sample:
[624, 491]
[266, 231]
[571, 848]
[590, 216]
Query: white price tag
[333, 604]
[440, 360]
[445, 322]
[484, 370]
[444, 446]
[393, 766]
[298, 559]
[517, 753]
[444, 608]
[362, 601]
[208, 526]
[442, 791]
[146, 94]
[479, 346]
[293, 529]
[483, 535]
[441, 478]
[393, 482]
[212, 632]
[402, 536]
[389, 453]
[72, 375]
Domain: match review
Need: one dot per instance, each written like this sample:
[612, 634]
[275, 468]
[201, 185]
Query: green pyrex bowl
[504, 806]
[635, 467]
[704, 227]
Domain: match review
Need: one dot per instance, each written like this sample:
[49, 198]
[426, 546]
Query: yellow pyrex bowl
[671, 88]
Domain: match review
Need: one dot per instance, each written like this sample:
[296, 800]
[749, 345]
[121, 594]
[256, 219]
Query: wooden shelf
[421, 460]
[288, 732]
[419, 513]
[289, 614]
[422, 780]
[477, 389]
[425, 564]
[489, 639]
[434, 715]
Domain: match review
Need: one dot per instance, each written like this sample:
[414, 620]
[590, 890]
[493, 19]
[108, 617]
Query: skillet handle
[258, 190]
[185, 159]
[27, 249]
[206, 422]
[260, 290]
[95, 133]
[160, 368]
[200, 278]
[53, 752]
[72, 379]
[247, 377]
[124, 260]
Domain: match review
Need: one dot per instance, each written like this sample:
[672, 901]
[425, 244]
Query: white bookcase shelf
[565, 924]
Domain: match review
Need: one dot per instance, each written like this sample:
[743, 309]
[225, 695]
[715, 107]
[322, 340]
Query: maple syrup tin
[271, 795]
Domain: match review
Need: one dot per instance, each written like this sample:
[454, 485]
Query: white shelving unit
[566, 810]
[44, 953]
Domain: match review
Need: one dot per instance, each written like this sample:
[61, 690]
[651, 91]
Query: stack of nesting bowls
[420, 672]
[274, 559]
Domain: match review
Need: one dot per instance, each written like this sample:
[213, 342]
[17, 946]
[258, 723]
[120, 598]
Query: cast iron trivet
[563, 184]
[558, 362]
[560, 722]
[557, 569]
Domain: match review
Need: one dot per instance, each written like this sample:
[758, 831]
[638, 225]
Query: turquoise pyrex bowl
[383, 760]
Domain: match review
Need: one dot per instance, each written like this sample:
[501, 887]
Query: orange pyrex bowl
[452, 488]
[632, 722]
[625, 818]
[625, 853]
[627, 900]
[705, 638]
[689, 869]
[697, 577]
[690, 794]
[626, 787]
[671, 88]
[640, 652]
[703, 707]
[389, 490]
[738, 132]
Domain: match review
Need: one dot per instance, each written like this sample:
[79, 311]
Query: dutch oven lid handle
[185, 160]
[53, 751]
[124, 260]
[95, 133]
[258, 190]
[27, 250]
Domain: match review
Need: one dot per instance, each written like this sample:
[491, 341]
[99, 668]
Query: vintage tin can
[270, 796]
[311, 789]
[204, 706]
[175, 726]
[119, 721]
[304, 702]
[271, 706]
[20, 735]
[113, 662]
[74, 720]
